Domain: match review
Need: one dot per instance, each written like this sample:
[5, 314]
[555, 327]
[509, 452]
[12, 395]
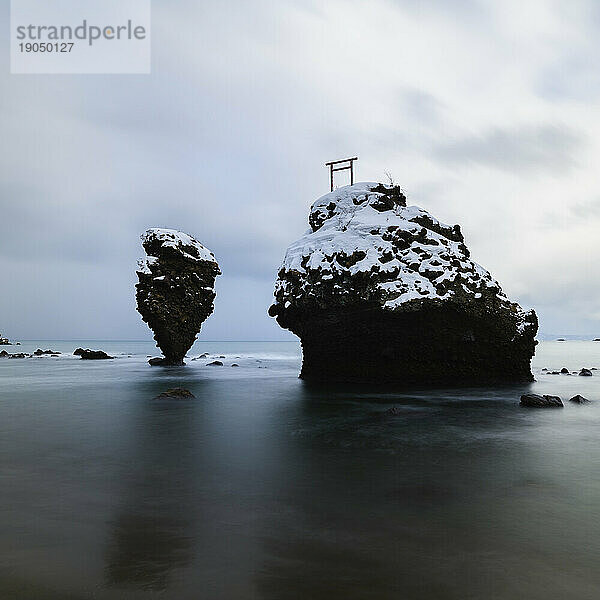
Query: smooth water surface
[266, 487]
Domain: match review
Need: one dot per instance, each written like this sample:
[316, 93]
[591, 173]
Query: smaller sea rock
[578, 399]
[156, 361]
[394, 411]
[564, 371]
[585, 373]
[94, 355]
[538, 401]
[235, 365]
[3, 353]
[560, 340]
[215, 363]
[19, 355]
[176, 393]
[40, 352]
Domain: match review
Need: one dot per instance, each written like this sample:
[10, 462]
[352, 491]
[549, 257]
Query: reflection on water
[264, 487]
[152, 532]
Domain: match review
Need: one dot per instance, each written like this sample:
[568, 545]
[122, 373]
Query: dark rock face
[545, 401]
[92, 354]
[215, 363]
[578, 399]
[175, 292]
[176, 393]
[384, 293]
[585, 373]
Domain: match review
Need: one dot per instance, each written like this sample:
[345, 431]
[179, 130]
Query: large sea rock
[175, 292]
[382, 292]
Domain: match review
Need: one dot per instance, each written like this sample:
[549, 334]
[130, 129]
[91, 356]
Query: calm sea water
[265, 487]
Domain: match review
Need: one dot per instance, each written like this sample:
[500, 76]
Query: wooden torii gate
[347, 167]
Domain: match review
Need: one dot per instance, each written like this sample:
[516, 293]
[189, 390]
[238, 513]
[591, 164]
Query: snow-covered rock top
[183, 243]
[366, 244]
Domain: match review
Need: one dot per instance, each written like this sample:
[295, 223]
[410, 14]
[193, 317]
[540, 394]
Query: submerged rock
[175, 292]
[215, 363]
[92, 354]
[176, 393]
[578, 399]
[537, 401]
[379, 291]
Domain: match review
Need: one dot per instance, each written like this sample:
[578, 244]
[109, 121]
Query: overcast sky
[487, 113]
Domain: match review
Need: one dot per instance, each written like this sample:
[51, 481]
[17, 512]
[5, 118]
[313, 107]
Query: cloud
[522, 149]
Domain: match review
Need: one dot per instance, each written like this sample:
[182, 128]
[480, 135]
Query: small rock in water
[235, 365]
[19, 355]
[158, 360]
[3, 353]
[394, 411]
[93, 355]
[176, 393]
[578, 399]
[555, 373]
[585, 373]
[564, 370]
[560, 340]
[40, 352]
[538, 401]
[215, 363]
[222, 356]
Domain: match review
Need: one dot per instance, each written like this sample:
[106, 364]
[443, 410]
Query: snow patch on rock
[359, 231]
[184, 243]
